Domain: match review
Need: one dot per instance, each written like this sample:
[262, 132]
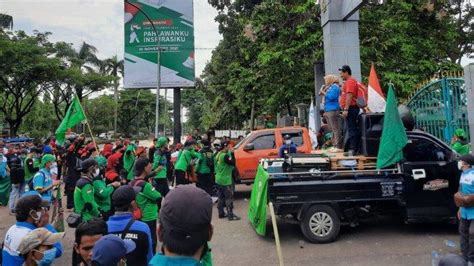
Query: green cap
[102, 161]
[162, 141]
[460, 133]
[46, 159]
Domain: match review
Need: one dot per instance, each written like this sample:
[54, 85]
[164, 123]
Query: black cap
[140, 165]
[185, 216]
[29, 202]
[87, 164]
[346, 68]
[123, 196]
[190, 142]
[287, 137]
[468, 158]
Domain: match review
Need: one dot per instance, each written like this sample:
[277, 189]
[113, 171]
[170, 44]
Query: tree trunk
[288, 105]
[252, 115]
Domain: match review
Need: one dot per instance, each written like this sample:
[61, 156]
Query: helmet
[88, 164]
[162, 141]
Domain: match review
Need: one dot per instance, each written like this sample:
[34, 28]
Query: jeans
[17, 190]
[225, 195]
[352, 122]
[466, 230]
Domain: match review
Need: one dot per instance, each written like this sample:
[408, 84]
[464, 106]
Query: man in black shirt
[17, 178]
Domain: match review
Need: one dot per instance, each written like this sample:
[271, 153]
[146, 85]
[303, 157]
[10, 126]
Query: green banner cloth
[257, 212]
[74, 115]
[5, 188]
[394, 138]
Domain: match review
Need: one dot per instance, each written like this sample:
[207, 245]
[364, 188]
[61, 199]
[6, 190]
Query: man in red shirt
[350, 109]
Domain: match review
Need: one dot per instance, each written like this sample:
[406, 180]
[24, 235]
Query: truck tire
[320, 224]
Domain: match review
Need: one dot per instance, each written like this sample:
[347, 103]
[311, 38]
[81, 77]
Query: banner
[257, 212]
[173, 20]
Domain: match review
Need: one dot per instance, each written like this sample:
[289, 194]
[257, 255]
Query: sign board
[173, 20]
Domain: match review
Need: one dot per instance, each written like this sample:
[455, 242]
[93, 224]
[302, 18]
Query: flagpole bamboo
[88, 126]
[275, 232]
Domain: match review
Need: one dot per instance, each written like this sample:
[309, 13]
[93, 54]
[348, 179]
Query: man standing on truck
[463, 199]
[350, 109]
[287, 148]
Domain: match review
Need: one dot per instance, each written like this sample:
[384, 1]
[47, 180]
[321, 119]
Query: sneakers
[221, 216]
[233, 217]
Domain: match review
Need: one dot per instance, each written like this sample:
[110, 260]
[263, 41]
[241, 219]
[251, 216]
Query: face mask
[97, 172]
[288, 142]
[54, 165]
[460, 165]
[48, 257]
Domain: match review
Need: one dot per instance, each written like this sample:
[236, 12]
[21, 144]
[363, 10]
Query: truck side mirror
[249, 147]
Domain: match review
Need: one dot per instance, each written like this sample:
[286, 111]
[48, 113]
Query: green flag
[394, 138]
[74, 116]
[257, 212]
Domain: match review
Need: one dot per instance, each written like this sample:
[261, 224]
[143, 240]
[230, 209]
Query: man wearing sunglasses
[31, 212]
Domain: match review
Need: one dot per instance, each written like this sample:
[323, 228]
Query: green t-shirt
[84, 195]
[223, 170]
[146, 201]
[184, 159]
[159, 159]
[102, 194]
[205, 159]
[461, 148]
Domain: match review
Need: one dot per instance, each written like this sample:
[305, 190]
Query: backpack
[138, 185]
[362, 95]
[30, 182]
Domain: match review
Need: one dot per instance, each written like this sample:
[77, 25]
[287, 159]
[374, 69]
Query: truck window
[264, 142]
[419, 150]
[296, 137]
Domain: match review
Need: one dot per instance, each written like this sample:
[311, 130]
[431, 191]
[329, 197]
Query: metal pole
[158, 76]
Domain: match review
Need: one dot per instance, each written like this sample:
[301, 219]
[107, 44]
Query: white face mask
[288, 142]
[38, 215]
[97, 172]
[460, 165]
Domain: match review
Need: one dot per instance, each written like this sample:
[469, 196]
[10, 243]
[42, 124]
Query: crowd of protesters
[121, 200]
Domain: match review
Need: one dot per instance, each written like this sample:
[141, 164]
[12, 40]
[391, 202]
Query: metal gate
[440, 107]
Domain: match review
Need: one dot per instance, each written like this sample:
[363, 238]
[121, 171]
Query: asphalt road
[383, 242]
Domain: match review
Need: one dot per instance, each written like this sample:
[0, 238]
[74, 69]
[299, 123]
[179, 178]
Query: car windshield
[242, 141]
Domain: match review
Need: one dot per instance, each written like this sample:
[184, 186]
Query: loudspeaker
[371, 126]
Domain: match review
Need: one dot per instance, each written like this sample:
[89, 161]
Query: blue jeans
[17, 190]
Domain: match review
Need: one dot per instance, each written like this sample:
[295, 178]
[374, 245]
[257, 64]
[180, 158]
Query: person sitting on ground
[147, 196]
[459, 142]
[31, 212]
[86, 236]
[43, 182]
[37, 247]
[84, 200]
[288, 147]
[111, 250]
[185, 227]
[123, 225]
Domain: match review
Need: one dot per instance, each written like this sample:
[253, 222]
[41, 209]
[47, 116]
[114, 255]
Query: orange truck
[265, 144]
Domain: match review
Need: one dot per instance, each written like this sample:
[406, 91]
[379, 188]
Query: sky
[100, 23]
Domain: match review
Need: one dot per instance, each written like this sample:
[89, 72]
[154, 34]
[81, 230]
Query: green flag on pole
[74, 115]
[394, 138]
[257, 212]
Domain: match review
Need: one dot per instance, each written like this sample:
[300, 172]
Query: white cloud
[100, 23]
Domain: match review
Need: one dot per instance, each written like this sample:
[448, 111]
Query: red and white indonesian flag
[376, 101]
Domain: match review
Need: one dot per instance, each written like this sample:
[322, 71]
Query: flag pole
[275, 233]
[88, 126]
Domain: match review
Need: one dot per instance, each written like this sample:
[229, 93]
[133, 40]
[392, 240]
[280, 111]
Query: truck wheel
[320, 224]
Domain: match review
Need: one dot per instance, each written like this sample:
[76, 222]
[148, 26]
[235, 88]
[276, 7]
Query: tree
[6, 21]
[27, 68]
[99, 111]
[113, 66]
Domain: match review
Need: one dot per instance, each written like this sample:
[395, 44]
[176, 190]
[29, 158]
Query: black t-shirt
[17, 173]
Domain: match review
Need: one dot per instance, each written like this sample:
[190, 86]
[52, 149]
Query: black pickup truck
[419, 189]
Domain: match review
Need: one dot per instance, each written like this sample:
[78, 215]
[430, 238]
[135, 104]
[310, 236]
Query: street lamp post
[158, 76]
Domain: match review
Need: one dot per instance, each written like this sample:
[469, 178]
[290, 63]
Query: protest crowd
[123, 200]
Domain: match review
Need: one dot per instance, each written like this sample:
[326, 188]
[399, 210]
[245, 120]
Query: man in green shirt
[160, 182]
[129, 160]
[147, 196]
[84, 200]
[459, 142]
[205, 167]
[184, 162]
[103, 192]
[224, 183]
